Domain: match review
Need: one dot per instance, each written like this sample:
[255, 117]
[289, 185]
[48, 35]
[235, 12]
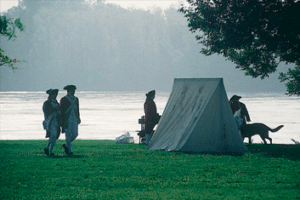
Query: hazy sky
[143, 4]
[7, 4]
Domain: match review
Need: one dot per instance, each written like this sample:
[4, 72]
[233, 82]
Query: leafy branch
[8, 29]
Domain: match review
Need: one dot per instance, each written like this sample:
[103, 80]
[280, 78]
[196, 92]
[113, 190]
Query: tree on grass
[8, 29]
[256, 35]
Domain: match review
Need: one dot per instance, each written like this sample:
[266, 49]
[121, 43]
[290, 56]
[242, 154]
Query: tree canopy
[8, 28]
[256, 35]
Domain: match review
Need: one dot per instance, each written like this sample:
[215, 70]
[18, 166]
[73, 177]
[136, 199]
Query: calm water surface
[107, 115]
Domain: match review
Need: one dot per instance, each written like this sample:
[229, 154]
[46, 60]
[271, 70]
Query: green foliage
[106, 170]
[5, 60]
[255, 35]
[293, 77]
[8, 29]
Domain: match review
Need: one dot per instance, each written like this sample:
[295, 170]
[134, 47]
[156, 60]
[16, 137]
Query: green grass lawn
[106, 170]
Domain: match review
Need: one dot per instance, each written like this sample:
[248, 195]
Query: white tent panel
[198, 118]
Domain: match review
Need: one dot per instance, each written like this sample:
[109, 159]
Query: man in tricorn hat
[51, 122]
[69, 106]
[151, 115]
[235, 105]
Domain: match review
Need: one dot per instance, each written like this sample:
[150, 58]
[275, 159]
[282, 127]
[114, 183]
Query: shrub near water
[105, 170]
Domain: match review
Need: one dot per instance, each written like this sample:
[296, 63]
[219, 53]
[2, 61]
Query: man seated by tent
[236, 111]
[151, 115]
[239, 109]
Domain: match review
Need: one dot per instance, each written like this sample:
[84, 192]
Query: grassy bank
[105, 170]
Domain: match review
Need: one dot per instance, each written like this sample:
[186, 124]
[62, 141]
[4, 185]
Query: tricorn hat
[70, 87]
[52, 91]
[151, 93]
[235, 98]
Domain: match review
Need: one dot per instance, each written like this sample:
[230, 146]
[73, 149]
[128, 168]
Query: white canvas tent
[198, 118]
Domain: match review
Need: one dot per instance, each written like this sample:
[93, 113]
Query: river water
[107, 115]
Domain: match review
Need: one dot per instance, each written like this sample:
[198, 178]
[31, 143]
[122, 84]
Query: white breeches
[53, 130]
[72, 130]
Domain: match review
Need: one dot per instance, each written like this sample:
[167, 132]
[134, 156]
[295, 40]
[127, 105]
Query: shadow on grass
[291, 152]
[66, 156]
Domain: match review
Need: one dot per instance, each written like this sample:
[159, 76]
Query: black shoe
[66, 148]
[46, 151]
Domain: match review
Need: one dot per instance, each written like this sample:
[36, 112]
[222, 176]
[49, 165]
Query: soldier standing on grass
[235, 105]
[151, 115]
[69, 105]
[51, 123]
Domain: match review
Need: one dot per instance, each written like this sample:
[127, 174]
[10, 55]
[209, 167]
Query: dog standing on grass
[249, 130]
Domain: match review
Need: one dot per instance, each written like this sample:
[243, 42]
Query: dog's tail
[275, 129]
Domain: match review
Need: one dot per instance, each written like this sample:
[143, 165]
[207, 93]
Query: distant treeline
[106, 47]
[102, 46]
